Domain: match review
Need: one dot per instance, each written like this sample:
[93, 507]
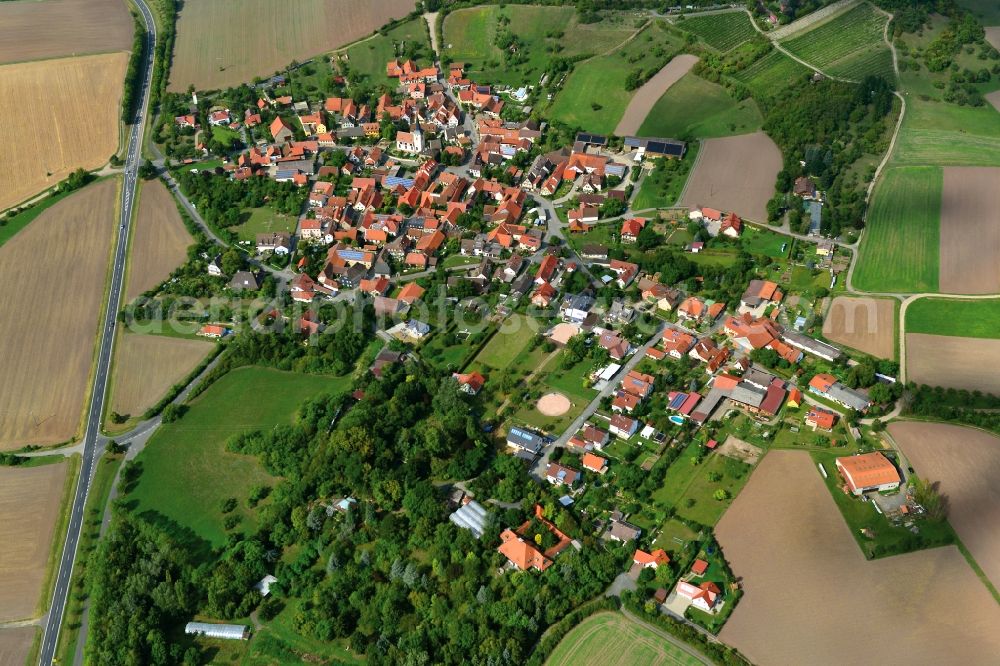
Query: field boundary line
[667, 637]
[74, 463]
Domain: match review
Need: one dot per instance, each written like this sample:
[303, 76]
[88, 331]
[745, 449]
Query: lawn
[543, 33]
[851, 44]
[900, 247]
[944, 134]
[506, 345]
[756, 240]
[696, 108]
[263, 220]
[706, 509]
[368, 58]
[278, 642]
[713, 258]
[673, 534]
[611, 638]
[770, 74]
[186, 470]
[662, 186]
[942, 316]
[722, 32]
[570, 382]
[594, 96]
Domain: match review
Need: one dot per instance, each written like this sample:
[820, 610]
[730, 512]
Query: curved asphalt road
[91, 451]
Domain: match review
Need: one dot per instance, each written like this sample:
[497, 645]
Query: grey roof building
[525, 440]
[472, 517]
[811, 345]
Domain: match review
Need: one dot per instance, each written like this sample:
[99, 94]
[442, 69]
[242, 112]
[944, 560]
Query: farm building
[868, 471]
[651, 149]
[233, 632]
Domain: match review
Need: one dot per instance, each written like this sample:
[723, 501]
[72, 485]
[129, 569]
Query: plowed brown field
[54, 273]
[966, 462]
[812, 598]
[58, 28]
[866, 324]
[15, 644]
[30, 498]
[953, 362]
[147, 365]
[58, 115]
[970, 235]
[160, 242]
[735, 173]
[222, 43]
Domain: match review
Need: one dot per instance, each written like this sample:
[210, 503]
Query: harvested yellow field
[147, 365]
[58, 115]
[810, 597]
[54, 273]
[71, 27]
[160, 241]
[15, 644]
[30, 500]
[222, 43]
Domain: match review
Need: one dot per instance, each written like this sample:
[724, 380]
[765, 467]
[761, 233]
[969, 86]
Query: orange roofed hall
[868, 471]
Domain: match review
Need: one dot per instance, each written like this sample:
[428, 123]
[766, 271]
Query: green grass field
[722, 32]
[263, 220]
[543, 33]
[943, 316]
[900, 247]
[756, 240]
[771, 74]
[948, 135]
[505, 347]
[594, 95]
[850, 45]
[368, 58]
[696, 108]
[611, 638]
[186, 470]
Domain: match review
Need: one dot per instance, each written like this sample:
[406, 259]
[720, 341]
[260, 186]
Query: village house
[278, 242]
[650, 560]
[560, 475]
[828, 387]
[868, 472]
[820, 419]
[623, 426]
[703, 597]
[594, 463]
[471, 383]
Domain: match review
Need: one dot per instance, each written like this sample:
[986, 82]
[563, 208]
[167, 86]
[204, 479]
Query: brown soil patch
[15, 644]
[651, 91]
[222, 43]
[953, 362]
[970, 235]
[966, 463]
[54, 272]
[740, 450]
[866, 324]
[160, 242]
[58, 28]
[146, 366]
[993, 36]
[30, 499]
[735, 173]
[812, 598]
[59, 115]
[553, 404]
[994, 99]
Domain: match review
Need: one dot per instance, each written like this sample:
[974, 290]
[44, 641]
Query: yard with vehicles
[213, 50]
[952, 362]
[146, 366]
[611, 639]
[931, 597]
[368, 58]
[50, 354]
[32, 500]
[863, 323]
[72, 28]
[901, 245]
[187, 475]
[850, 45]
[516, 44]
[960, 460]
[970, 236]
[159, 241]
[735, 173]
[722, 31]
[596, 94]
[694, 107]
[46, 129]
[979, 318]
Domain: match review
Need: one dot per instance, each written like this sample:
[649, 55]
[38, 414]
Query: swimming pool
[674, 418]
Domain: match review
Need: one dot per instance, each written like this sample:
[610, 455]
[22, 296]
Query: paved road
[91, 450]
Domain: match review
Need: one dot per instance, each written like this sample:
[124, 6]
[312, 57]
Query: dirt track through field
[651, 91]
[160, 242]
[866, 324]
[30, 498]
[735, 173]
[59, 28]
[58, 115]
[812, 598]
[970, 231]
[54, 274]
[966, 462]
[953, 362]
[146, 366]
[15, 644]
[222, 43]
